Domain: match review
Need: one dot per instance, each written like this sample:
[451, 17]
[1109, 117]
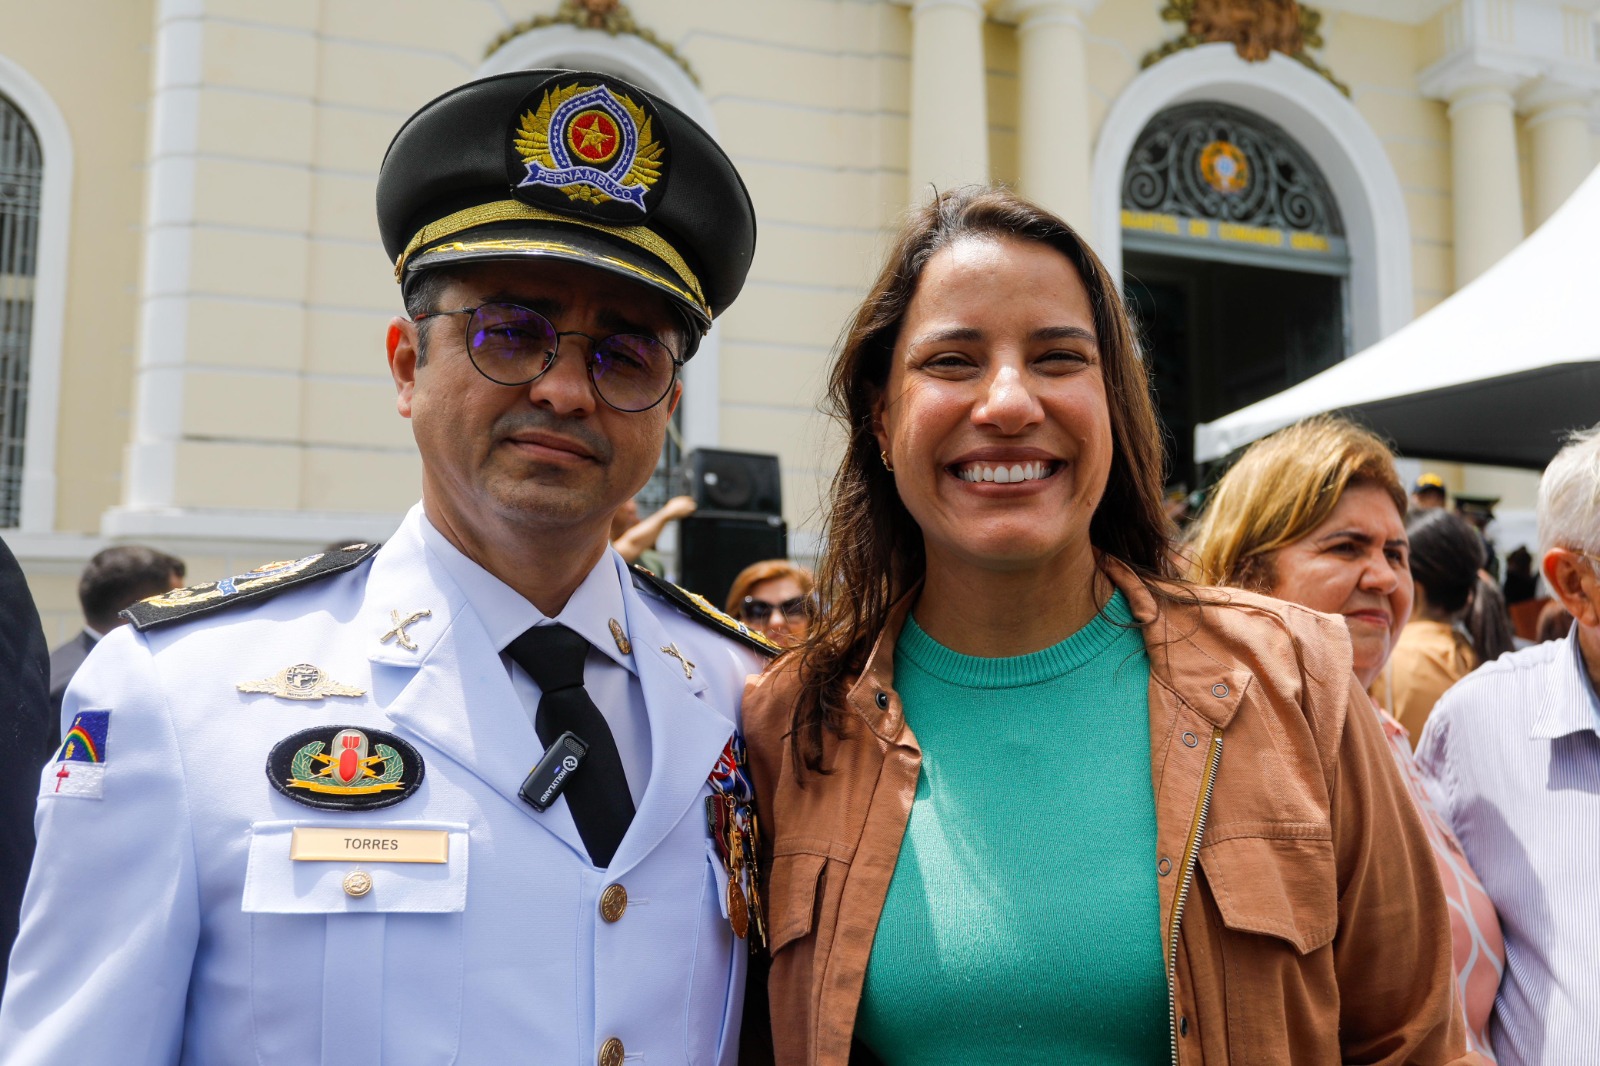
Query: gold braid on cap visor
[687, 286]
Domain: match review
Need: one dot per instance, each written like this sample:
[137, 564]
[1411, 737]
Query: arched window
[21, 182]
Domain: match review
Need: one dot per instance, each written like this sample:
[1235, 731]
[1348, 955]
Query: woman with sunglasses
[1029, 797]
[774, 598]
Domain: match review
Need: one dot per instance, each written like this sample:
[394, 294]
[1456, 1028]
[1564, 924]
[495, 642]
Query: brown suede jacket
[1300, 903]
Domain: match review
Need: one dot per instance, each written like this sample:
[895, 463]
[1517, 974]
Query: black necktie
[598, 793]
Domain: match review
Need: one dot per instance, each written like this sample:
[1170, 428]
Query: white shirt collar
[506, 614]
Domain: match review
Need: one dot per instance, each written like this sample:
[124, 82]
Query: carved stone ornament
[608, 16]
[1255, 28]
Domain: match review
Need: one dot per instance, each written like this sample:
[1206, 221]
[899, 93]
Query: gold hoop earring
[886, 464]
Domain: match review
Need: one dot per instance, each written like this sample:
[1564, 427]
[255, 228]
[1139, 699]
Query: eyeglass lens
[513, 345]
[754, 610]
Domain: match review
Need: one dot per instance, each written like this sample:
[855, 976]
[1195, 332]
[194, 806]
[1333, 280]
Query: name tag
[369, 845]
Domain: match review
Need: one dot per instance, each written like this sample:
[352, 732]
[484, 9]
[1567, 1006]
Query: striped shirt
[1512, 754]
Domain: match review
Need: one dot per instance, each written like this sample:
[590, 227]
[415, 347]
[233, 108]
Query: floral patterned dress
[1480, 953]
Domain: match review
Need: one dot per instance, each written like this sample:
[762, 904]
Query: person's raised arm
[642, 537]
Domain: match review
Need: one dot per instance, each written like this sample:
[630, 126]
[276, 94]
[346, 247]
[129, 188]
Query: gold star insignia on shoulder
[301, 682]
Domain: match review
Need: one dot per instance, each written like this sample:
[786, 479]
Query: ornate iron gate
[21, 170]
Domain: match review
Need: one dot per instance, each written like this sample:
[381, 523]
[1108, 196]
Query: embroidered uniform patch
[342, 768]
[595, 144]
[80, 766]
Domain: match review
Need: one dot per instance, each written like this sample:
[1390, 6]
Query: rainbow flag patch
[79, 768]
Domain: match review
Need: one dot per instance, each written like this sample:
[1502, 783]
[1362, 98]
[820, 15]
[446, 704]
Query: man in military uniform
[475, 796]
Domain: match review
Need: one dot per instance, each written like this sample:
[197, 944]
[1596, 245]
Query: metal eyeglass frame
[588, 362]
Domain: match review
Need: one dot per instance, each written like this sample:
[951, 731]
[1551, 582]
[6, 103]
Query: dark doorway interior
[1220, 336]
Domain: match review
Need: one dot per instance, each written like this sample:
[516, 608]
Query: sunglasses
[514, 345]
[757, 612]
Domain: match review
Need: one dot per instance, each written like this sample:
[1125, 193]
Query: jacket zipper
[1191, 852]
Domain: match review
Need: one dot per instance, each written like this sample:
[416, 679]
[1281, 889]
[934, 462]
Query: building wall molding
[647, 66]
[1325, 124]
[48, 329]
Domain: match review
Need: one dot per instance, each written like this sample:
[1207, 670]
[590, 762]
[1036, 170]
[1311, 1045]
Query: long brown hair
[874, 549]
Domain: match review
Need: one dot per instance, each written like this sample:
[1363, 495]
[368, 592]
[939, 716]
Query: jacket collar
[1181, 656]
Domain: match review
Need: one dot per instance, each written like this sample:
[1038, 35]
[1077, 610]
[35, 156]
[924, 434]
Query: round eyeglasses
[514, 345]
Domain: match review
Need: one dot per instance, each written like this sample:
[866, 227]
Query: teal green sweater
[1023, 923]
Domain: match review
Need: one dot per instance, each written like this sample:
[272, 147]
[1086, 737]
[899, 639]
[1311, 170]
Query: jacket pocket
[792, 897]
[1279, 887]
[368, 977]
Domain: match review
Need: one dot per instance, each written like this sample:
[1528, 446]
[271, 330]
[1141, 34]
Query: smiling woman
[1058, 865]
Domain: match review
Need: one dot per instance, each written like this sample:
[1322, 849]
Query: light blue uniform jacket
[166, 923]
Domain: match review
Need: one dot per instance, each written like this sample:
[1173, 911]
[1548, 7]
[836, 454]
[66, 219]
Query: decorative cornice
[608, 16]
[1475, 69]
[1256, 29]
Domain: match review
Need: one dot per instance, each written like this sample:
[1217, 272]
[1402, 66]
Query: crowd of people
[1021, 772]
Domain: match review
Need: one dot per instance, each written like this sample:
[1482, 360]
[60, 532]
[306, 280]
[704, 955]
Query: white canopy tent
[1495, 374]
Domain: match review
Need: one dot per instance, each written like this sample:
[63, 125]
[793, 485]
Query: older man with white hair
[1513, 752]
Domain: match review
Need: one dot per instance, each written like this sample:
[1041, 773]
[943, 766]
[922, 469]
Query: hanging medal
[731, 821]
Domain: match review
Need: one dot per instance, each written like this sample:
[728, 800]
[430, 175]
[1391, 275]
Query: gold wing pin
[301, 681]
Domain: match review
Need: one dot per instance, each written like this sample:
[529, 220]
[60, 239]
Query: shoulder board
[258, 584]
[700, 609]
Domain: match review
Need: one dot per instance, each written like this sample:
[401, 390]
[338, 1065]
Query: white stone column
[1055, 146]
[1487, 185]
[1558, 132]
[949, 112]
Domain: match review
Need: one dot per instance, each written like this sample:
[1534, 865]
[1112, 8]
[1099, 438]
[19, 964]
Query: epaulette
[700, 609]
[258, 584]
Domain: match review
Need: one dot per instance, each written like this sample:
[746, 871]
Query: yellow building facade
[200, 359]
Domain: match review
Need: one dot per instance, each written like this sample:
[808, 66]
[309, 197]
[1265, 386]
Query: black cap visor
[594, 247]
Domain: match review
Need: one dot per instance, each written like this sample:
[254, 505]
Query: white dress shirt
[1512, 752]
[610, 677]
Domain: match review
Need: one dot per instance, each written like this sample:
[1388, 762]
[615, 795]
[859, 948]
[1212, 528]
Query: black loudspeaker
[713, 546]
[745, 482]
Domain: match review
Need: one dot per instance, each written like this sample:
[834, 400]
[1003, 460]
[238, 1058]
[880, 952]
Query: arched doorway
[1235, 263]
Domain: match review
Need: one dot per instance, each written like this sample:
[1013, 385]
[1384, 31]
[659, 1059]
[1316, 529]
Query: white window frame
[46, 331]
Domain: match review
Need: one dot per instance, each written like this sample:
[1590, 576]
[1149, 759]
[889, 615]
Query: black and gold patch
[589, 146]
[701, 610]
[263, 581]
[343, 768]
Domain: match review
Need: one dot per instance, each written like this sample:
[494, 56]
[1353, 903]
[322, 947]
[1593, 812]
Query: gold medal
[738, 909]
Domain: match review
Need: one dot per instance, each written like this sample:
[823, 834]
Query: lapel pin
[677, 653]
[624, 645]
[301, 681]
[399, 631]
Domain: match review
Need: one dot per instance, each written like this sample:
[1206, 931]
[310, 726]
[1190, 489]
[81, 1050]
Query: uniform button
[611, 1053]
[357, 883]
[883, 701]
[1164, 866]
[1219, 690]
[613, 901]
[1190, 740]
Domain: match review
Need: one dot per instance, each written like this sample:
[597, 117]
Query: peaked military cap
[568, 165]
